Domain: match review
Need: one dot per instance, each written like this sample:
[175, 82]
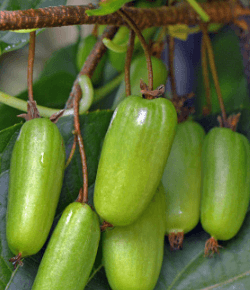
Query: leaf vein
[227, 281]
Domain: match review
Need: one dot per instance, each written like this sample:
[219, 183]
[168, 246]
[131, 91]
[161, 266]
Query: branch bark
[91, 61]
[220, 12]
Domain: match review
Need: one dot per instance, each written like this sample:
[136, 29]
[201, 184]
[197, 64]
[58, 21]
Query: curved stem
[48, 112]
[205, 76]
[72, 152]
[102, 92]
[144, 44]
[171, 44]
[214, 71]
[91, 62]
[129, 55]
[22, 105]
[87, 93]
[83, 195]
[110, 44]
[203, 15]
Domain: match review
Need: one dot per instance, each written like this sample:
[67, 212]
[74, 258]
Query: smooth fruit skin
[182, 178]
[36, 176]
[139, 71]
[133, 157]
[71, 252]
[133, 255]
[225, 182]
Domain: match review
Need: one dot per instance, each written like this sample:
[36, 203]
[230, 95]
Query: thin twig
[205, 73]
[84, 196]
[128, 62]
[31, 65]
[92, 61]
[97, 52]
[219, 12]
[143, 42]
[214, 71]
[75, 95]
[72, 152]
[171, 44]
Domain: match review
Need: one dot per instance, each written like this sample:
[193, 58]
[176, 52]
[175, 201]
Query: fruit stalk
[144, 44]
[31, 59]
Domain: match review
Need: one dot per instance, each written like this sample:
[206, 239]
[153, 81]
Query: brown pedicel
[176, 240]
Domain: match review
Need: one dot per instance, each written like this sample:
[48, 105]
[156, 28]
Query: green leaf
[52, 91]
[99, 282]
[9, 40]
[189, 269]
[62, 60]
[7, 140]
[53, 87]
[107, 7]
[230, 70]
[93, 128]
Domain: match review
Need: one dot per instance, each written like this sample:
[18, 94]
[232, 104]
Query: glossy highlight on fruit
[133, 157]
[225, 182]
[70, 254]
[182, 180]
[36, 175]
[133, 255]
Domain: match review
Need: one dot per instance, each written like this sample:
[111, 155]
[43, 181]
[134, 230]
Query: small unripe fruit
[134, 154]
[225, 182]
[133, 255]
[36, 175]
[71, 252]
[182, 182]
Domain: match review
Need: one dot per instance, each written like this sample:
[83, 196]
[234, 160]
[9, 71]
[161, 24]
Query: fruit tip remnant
[211, 247]
[176, 240]
[17, 260]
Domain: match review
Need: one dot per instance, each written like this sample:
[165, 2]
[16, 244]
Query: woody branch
[219, 12]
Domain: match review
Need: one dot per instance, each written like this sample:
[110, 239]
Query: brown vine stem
[75, 95]
[144, 44]
[83, 195]
[214, 71]
[207, 108]
[128, 62]
[73, 149]
[171, 44]
[92, 60]
[31, 65]
[219, 12]
[97, 52]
